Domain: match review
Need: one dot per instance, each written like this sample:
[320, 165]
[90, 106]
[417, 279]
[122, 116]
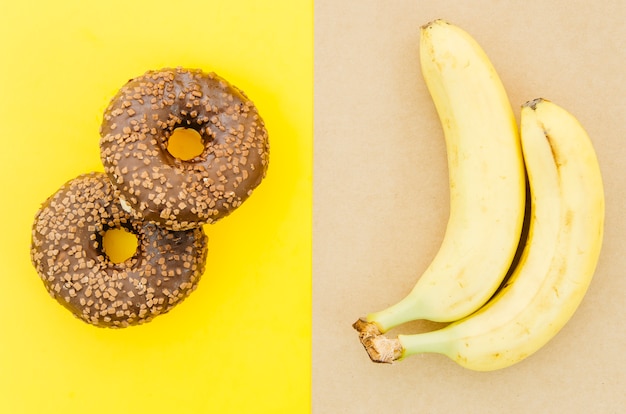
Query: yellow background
[241, 342]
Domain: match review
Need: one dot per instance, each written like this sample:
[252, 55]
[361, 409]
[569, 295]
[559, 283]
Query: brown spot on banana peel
[546, 132]
[555, 155]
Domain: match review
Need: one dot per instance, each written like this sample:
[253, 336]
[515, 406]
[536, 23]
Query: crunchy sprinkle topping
[168, 191]
[66, 250]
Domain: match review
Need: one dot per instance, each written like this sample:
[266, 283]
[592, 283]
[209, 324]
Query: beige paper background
[380, 198]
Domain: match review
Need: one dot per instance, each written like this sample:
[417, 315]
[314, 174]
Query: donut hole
[119, 244]
[185, 144]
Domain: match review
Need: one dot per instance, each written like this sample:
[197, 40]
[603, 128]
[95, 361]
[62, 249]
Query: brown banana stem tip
[379, 348]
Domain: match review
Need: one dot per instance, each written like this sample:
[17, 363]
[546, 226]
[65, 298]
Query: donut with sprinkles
[160, 188]
[67, 252]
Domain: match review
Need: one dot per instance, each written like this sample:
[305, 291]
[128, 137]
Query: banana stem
[378, 346]
[437, 342]
[386, 350]
[406, 310]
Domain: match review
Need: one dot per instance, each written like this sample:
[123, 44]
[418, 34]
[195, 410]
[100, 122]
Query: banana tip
[433, 23]
[533, 103]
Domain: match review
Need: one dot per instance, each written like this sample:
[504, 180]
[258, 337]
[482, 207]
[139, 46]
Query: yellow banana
[486, 179]
[556, 266]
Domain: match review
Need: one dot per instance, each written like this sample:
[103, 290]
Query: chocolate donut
[160, 188]
[66, 250]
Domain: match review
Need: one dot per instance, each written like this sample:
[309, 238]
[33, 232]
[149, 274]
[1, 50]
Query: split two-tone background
[352, 210]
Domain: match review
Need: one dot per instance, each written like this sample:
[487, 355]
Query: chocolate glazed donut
[160, 188]
[67, 252]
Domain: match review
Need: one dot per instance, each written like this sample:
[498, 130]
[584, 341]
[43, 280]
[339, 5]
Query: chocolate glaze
[177, 194]
[66, 250]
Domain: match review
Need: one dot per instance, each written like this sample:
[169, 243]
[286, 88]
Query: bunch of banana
[490, 166]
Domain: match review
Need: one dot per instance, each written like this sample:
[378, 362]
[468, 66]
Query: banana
[556, 265]
[486, 179]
